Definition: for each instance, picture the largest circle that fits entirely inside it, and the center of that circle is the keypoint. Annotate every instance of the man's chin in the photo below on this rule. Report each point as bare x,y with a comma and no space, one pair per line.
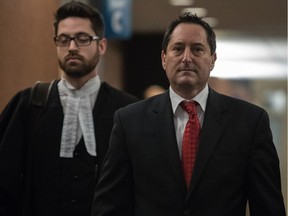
77,73
77,70
74,73
187,80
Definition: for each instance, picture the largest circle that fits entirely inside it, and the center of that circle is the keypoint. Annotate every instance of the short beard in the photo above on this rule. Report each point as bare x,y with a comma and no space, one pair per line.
78,71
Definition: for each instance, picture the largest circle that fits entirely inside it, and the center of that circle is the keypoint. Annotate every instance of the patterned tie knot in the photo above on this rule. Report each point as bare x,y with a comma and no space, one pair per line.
189,107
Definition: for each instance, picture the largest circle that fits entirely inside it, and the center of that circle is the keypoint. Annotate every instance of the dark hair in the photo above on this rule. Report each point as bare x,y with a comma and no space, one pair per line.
190,18
79,9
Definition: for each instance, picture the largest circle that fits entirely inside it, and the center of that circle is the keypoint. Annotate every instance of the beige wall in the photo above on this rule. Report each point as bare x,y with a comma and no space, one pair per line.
26,43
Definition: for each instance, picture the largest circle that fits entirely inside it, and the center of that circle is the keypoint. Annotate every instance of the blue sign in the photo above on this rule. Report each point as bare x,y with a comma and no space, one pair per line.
117,16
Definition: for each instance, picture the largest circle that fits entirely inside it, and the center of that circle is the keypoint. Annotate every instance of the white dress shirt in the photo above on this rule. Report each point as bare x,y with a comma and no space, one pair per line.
181,116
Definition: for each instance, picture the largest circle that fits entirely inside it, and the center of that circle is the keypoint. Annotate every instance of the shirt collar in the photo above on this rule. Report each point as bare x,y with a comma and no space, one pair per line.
201,98
91,86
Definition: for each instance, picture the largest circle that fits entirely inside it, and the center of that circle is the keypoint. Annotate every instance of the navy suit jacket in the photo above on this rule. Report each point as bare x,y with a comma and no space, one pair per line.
236,162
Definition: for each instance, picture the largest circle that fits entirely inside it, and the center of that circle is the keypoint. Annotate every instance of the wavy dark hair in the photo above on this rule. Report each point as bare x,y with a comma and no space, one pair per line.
190,18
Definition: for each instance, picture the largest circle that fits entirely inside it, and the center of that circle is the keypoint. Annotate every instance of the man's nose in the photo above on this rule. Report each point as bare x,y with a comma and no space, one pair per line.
187,55
73,45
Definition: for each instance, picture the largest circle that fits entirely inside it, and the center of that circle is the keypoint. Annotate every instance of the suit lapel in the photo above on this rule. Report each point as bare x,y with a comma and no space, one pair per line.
163,124
213,126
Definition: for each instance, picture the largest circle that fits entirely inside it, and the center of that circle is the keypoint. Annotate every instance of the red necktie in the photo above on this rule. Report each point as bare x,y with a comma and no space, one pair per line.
190,140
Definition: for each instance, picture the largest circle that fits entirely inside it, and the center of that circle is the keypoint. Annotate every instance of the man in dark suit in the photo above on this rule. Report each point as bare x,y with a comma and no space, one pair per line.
236,160
50,155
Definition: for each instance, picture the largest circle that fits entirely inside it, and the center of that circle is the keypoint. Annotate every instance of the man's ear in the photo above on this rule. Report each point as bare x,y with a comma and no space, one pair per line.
163,58
102,46
214,58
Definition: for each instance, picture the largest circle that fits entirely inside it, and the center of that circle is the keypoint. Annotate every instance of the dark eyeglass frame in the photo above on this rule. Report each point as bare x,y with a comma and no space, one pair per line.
75,39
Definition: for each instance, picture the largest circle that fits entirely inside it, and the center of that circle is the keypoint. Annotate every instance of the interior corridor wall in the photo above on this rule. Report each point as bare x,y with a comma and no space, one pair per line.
27,49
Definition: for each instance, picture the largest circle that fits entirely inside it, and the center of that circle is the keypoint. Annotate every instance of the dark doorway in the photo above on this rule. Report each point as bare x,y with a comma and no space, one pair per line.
142,64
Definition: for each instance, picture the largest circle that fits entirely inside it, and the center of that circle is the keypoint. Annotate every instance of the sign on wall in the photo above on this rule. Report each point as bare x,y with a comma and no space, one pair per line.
117,16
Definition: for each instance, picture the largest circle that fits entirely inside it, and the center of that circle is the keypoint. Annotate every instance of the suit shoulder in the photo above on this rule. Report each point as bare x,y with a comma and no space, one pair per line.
242,102
145,105
115,96
234,103
17,105
20,97
112,90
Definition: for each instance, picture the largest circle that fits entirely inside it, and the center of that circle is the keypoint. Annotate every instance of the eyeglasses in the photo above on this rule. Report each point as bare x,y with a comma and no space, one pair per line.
79,39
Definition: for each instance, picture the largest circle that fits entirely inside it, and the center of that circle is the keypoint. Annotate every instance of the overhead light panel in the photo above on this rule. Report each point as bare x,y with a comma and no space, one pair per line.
251,58
201,12
181,2
213,22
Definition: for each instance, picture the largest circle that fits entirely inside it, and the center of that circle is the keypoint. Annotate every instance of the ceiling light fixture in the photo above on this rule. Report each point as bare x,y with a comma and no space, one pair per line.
250,58
213,22
181,2
201,12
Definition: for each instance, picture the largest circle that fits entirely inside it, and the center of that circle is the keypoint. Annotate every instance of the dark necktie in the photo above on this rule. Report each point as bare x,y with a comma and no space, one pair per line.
190,140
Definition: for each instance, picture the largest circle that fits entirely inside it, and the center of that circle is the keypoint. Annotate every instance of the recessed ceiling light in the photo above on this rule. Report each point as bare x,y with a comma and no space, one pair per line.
213,22
201,12
181,2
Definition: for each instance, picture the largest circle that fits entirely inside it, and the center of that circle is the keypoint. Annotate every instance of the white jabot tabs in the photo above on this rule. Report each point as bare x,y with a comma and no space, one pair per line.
78,118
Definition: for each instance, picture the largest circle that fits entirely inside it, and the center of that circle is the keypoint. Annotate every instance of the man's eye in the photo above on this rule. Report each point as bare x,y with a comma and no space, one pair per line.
177,48
83,38
197,50
64,39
